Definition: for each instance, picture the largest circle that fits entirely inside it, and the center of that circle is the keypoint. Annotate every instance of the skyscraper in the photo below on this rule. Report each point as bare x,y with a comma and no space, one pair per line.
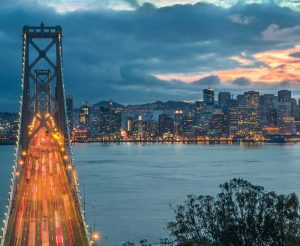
251,99
284,108
178,122
70,110
249,114
166,124
232,116
110,119
84,116
267,109
223,98
284,96
294,109
208,97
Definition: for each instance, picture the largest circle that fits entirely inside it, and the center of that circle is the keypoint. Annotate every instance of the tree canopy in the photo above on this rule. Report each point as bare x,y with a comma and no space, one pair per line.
241,214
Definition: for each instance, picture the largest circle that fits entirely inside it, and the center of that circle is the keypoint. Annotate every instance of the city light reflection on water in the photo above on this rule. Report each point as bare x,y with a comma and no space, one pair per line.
132,185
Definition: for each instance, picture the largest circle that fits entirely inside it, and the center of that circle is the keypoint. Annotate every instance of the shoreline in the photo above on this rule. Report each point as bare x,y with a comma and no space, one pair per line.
214,141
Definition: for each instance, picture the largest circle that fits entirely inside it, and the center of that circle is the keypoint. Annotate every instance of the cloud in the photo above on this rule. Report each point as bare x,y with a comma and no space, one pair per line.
239,19
275,33
133,3
295,54
209,81
241,81
243,61
150,52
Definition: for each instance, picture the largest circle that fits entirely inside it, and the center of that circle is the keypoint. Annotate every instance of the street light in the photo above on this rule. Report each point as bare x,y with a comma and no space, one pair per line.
95,235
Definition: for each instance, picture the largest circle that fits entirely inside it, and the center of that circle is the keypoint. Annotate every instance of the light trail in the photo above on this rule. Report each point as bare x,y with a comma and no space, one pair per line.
45,212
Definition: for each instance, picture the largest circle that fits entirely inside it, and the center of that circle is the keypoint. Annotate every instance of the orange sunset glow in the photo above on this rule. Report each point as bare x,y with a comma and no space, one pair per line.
269,67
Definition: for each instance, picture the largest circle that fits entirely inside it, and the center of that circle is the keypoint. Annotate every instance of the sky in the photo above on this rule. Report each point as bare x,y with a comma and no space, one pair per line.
136,51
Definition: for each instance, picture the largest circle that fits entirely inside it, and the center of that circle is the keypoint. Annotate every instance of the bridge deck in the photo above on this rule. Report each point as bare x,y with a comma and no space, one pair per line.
44,211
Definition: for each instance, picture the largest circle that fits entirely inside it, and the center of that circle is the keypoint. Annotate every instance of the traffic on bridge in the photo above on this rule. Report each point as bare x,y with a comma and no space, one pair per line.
45,212
44,206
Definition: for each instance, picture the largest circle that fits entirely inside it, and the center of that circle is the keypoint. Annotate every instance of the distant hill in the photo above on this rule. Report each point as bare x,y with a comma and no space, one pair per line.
106,103
159,105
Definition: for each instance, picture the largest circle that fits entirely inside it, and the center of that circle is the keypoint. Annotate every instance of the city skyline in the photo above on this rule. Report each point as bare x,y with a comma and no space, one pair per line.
130,51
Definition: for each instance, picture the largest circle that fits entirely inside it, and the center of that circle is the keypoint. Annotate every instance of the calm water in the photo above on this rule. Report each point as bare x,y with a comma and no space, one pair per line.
132,185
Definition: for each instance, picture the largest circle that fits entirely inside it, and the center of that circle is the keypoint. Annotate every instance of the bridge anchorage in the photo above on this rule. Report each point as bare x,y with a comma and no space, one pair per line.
44,206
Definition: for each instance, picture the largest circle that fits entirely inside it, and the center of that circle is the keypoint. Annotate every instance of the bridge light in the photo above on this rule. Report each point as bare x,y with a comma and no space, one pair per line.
96,236
69,167
21,162
24,153
65,157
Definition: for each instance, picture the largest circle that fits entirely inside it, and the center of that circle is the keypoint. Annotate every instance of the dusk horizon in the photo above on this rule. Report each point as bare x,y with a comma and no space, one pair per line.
150,122
136,51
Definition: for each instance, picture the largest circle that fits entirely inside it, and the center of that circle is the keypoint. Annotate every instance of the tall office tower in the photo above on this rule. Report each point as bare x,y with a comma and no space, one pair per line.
70,112
232,117
251,99
209,97
84,116
249,114
140,127
223,98
284,108
151,127
267,109
166,124
129,124
188,127
199,105
294,109
217,125
110,119
116,120
178,122
240,100
284,96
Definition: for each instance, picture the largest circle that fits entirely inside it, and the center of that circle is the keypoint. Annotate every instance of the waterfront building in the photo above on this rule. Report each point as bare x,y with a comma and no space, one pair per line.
188,126
248,115
294,109
110,119
232,117
178,122
166,124
218,125
84,117
129,124
267,110
151,127
288,126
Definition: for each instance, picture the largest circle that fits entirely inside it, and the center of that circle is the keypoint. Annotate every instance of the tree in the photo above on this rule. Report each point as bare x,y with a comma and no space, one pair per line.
241,214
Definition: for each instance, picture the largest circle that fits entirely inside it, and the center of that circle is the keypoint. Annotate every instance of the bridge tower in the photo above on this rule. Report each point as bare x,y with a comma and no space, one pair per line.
42,100
52,34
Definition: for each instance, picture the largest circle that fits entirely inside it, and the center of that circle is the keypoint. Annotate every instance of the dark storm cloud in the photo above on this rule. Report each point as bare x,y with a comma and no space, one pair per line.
241,82
296,54
115,54
209,81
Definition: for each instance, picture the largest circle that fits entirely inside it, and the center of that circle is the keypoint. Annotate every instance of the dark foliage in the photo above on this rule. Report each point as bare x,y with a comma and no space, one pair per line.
241,214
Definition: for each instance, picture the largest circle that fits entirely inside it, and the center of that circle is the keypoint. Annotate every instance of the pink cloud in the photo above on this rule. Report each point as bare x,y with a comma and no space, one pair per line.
275,66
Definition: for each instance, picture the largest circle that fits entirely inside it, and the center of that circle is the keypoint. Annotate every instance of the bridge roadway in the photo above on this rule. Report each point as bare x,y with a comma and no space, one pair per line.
44,211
